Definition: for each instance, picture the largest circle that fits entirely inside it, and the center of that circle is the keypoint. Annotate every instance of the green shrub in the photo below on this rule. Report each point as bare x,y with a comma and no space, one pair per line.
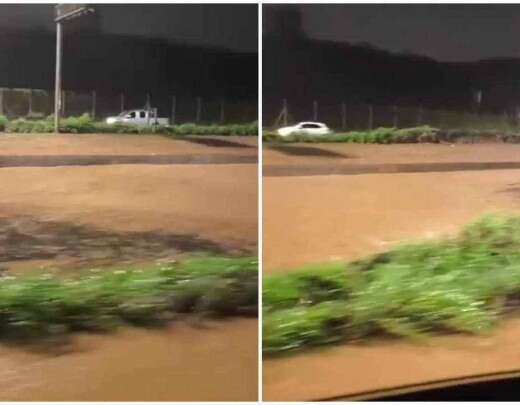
100,300
194,129
422,134
3,122
22,125
462,284
84,124
301,326
379,135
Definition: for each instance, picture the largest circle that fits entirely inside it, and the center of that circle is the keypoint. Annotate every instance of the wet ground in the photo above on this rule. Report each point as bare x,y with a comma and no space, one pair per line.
209,205
214,361
344,370
96,160
115,144
66,215
26,241
357,154
319,218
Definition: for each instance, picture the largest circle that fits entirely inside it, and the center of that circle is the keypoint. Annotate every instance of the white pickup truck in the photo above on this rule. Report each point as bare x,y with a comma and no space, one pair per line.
138,117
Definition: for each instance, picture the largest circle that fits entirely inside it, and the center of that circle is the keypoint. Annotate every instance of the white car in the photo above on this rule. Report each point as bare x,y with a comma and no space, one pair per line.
138,117
305,128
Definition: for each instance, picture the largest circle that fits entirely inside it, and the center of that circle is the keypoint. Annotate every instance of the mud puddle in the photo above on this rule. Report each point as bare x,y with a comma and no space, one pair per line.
27,239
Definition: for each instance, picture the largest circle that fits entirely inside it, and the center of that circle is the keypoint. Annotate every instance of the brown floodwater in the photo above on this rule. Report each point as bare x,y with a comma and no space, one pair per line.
327,218
354,369
195,361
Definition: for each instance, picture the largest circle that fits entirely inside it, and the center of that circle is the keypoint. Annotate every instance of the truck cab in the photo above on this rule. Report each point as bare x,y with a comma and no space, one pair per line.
138,117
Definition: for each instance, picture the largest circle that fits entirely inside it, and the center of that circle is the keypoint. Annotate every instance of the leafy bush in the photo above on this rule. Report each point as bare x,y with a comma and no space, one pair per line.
423,134
463,284
22,125
84,124
99,300
378,135
194,129
3,122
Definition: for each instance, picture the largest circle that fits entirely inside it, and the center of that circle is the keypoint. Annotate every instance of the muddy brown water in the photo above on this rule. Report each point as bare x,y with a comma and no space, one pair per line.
355,369
325,218
320,218
120,214
216,361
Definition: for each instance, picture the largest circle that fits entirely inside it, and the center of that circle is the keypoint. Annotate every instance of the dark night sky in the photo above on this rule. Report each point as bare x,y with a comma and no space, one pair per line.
447,32
232,26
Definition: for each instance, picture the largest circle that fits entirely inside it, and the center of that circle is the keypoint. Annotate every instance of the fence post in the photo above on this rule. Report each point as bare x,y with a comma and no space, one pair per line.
370,117
395,118
1,101
199,107
222,117
315,110
174,106
63,102
93,104
343,115
122,98
30,103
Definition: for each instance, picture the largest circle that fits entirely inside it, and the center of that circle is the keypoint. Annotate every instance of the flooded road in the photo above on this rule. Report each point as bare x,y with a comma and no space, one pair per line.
119,215
186,362
322,218
377,365
310,219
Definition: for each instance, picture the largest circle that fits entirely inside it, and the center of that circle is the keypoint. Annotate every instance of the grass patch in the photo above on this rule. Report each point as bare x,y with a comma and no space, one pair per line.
84,124
95,300
463,284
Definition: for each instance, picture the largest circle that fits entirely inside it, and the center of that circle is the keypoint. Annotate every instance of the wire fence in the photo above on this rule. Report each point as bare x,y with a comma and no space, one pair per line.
38,103
344,116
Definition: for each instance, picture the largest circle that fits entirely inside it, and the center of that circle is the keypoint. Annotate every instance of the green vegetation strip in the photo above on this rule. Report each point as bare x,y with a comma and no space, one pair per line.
460,285
422,134
85,125
97,300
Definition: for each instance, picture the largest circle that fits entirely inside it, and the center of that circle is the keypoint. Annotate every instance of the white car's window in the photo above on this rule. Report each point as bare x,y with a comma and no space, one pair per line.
131,115
142,114
311,126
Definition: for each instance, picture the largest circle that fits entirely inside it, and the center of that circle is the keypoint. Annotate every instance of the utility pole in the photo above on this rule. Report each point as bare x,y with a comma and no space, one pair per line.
57,82
63,12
